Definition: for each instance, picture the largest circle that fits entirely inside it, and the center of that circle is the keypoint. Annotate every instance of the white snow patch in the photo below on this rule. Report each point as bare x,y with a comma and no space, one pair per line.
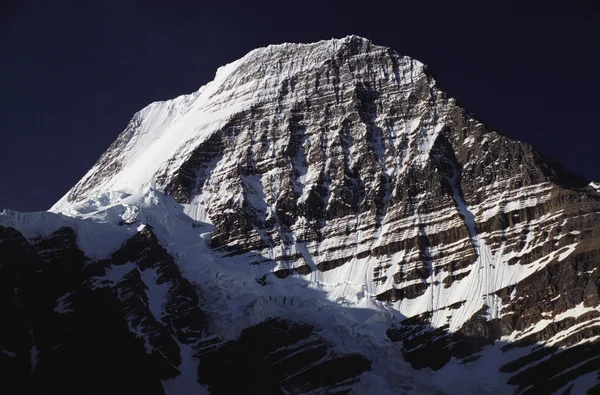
63,305
187,381
542,324
114,274
89,229
581,384
34,353
9,353
157,293
569,250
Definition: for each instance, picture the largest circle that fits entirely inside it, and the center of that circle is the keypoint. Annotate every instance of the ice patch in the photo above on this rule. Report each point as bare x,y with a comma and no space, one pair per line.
114,274
9,353
34,352
63,305
569,251
157,293
581,384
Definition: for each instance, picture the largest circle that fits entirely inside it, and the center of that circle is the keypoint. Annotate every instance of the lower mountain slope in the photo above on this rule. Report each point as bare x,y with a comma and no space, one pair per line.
132,324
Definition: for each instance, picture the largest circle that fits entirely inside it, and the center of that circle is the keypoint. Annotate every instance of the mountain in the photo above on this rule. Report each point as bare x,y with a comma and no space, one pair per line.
320,218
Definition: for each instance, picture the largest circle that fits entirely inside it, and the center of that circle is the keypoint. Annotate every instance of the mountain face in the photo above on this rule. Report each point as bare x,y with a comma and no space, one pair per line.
320,218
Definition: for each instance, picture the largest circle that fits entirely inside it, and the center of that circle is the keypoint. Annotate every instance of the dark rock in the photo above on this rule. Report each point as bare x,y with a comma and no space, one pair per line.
276,356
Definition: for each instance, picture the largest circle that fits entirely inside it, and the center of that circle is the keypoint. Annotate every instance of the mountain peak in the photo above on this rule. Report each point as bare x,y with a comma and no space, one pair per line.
165,133
331,45
334,186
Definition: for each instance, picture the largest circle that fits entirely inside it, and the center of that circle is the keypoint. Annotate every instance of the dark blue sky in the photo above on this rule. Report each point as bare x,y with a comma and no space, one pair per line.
72,73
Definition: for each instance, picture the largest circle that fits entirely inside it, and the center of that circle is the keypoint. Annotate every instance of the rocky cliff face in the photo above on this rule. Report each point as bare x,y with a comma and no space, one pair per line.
93,327
332,185
131,323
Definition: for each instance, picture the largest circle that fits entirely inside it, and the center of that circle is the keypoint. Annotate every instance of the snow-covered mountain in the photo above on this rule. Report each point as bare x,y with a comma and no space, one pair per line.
320,218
